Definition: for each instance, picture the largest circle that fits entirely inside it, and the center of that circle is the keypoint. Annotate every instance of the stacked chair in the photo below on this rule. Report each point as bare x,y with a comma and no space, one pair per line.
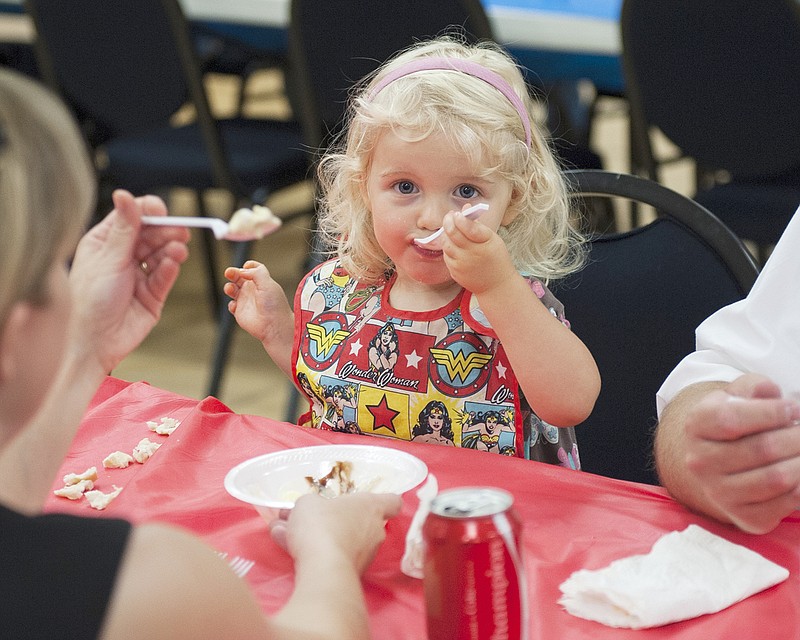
720,80
126,68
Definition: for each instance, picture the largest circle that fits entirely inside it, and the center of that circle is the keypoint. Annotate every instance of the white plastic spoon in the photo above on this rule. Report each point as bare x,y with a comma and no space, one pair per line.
245,224
474,211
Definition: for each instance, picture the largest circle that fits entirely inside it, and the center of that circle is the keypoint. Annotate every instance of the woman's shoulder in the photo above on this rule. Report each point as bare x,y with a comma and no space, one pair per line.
197,584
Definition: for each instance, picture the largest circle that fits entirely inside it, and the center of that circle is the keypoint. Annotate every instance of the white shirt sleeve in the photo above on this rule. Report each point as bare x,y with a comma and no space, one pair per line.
760,334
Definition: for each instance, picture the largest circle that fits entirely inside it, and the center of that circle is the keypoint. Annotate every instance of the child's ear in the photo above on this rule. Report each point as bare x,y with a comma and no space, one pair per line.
12,340
362,187
512,211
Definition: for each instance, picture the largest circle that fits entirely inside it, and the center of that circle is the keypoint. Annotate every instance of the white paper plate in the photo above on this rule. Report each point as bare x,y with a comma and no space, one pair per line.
276,480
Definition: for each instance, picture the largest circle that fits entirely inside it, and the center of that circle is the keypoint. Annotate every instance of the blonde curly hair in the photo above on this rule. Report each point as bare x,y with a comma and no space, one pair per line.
542,239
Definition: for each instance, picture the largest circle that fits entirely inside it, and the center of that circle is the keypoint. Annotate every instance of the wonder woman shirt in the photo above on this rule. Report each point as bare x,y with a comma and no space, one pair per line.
439,376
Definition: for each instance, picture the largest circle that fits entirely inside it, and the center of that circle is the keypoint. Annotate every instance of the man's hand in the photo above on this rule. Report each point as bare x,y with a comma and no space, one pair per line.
740,452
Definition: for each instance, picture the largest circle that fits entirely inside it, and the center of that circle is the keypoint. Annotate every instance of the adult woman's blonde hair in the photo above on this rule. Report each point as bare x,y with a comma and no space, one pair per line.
542,239
47,187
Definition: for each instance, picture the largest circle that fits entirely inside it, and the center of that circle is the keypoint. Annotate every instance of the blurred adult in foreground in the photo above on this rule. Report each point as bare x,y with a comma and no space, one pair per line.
67,317
728,439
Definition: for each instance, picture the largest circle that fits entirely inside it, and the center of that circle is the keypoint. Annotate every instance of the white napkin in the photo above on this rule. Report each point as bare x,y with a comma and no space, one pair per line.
686,574
414,554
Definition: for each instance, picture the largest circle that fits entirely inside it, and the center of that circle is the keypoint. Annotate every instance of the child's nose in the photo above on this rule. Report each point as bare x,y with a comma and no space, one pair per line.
431,215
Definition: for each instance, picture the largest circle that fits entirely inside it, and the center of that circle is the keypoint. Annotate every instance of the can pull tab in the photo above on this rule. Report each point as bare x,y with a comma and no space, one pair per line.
454,511
503,527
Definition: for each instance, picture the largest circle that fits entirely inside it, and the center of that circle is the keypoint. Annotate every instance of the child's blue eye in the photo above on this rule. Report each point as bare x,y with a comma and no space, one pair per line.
405,187
467,191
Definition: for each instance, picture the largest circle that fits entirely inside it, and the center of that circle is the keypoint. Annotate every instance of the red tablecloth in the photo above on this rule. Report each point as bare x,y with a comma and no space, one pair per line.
572,520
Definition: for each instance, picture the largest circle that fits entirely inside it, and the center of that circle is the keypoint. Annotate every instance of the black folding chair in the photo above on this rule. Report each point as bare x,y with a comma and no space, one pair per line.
720,80
126,68
221,50
636,305
333,44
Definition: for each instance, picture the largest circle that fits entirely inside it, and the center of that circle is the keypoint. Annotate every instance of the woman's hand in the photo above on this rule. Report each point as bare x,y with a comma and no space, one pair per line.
350,527
121,275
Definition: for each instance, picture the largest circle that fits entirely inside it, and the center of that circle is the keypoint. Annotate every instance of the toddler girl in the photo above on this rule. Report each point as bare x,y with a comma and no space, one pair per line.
465,325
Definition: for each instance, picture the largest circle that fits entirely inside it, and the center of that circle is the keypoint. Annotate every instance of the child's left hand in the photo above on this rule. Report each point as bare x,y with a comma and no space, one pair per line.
475,255
261,308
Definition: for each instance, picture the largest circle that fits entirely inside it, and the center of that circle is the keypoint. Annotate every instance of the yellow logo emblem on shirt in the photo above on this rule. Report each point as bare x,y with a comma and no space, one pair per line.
458,365
325,340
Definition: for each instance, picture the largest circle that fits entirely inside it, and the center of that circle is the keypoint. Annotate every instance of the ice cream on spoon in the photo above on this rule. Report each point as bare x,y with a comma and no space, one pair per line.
245,224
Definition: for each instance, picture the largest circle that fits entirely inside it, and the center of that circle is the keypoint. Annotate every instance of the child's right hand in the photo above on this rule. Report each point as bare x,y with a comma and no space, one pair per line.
475,255
258,302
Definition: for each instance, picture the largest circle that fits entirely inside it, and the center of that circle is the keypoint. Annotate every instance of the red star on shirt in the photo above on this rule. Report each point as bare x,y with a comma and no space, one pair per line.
383,415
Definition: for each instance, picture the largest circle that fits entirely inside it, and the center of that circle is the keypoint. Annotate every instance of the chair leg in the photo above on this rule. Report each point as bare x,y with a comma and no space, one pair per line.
210,250
292,405
763,252
225,327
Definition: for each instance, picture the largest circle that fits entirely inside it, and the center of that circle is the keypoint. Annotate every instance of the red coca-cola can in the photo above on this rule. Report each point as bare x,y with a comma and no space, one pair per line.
474,578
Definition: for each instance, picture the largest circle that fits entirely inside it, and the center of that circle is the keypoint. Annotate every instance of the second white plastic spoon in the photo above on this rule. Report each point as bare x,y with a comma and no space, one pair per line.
474,211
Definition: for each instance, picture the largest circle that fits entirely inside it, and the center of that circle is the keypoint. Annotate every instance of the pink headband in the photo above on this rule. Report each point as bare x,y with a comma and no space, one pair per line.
464,66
